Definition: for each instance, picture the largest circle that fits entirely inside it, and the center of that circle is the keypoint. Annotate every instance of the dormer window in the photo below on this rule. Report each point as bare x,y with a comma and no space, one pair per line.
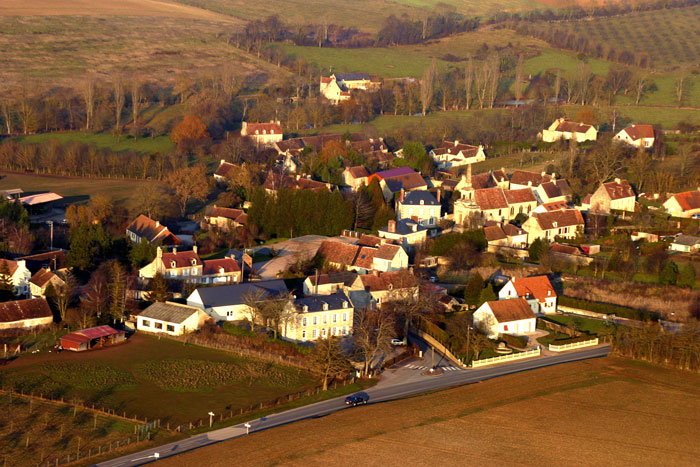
172,264
422,202
325,306
221,271
194,262
306,308
345,304
391,286
257,132
554,224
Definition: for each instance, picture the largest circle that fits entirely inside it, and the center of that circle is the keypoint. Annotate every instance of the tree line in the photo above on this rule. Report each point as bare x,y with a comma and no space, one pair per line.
654,344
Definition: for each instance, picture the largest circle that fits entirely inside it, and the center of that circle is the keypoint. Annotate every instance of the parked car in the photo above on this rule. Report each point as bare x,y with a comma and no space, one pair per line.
397,342
357,399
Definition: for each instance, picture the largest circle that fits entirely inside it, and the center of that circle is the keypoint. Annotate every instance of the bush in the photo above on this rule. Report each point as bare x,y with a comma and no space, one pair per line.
608,309
514,341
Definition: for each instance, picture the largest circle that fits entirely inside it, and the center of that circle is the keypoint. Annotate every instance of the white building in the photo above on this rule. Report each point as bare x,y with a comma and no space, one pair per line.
263,134
563,128
170,318
319,317
228,302
686,204
455,154
420,206
505,317
536,290
407,233
19,275
639,136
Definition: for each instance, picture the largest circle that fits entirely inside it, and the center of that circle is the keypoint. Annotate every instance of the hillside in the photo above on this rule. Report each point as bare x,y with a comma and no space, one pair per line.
597,412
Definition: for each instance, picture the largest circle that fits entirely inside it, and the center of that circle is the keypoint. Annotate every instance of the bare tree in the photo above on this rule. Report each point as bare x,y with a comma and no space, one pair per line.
6,109
468,82
277,311
26,110
557,87
253,300
189,183
329,360
136,98
373,331
494,75
519,78
65,293
641,85
427,86
681,83
119,99
584,76
89,96
605,161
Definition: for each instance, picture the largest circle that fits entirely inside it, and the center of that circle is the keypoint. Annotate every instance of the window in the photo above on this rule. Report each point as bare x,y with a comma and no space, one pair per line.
303,322
158,325
345,330
335,317
512,210
325,319
303,335
505,327
146,323
229,313
324,332
315,321
314,333
345,316
170,328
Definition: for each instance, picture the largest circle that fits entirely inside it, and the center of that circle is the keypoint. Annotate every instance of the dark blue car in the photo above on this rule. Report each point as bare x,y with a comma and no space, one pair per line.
357,399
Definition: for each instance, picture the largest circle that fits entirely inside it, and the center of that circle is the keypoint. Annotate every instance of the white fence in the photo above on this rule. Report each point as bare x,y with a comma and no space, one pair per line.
575,345
506,358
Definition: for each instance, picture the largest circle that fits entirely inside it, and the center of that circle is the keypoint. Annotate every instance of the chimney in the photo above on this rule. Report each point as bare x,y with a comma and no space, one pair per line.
392,226
415,227
157,223
529,183
375,272
403,194
194,248
438,195
456,142
554,175
222,161
617,180
159,252
174,250
543,173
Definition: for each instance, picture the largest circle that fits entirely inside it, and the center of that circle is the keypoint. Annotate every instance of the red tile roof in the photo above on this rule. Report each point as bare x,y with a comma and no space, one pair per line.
494,233
394,280
42,277
538,287
11,265
565,249
490,198
556,205
387,252
226,213
182,259
619,190
223,169
51,259
338,252
85,335
358,172
688,200
276,181
269,128
213,266
513,231
370,240
454,147
636,132
523,195
572,127
566,218
152,231
19,310
511,310
522,177
556,188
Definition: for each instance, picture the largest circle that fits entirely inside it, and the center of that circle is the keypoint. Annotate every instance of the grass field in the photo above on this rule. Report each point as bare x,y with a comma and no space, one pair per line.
118,190
157,379
146,145
599,412
33,432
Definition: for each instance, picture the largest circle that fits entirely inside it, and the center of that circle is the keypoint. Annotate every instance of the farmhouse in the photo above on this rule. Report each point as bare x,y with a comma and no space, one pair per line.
276,181
225,219
91,338
41,280
354,177
383,287
548,225
455,154
686,204
187,266
19,275
319,317
228,302
536,290
553,191
393,180
639,136
526,179
616,195
221,174
145,228
364,259
170,318
25,313
563,128
337,87
406,232
420,206
263,134
327,284
512,316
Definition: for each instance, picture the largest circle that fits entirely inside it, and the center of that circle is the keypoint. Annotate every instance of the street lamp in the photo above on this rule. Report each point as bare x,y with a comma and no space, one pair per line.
247,428
211,419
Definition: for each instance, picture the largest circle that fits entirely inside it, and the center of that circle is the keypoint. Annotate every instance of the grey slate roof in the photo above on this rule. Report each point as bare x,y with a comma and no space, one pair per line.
351,76
414,198
228,295
316,302
688,240
405,227
169,312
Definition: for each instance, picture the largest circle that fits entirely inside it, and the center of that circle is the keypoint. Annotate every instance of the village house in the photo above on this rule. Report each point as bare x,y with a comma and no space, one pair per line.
228,302
379,288
554,191
319,317
686,204
548,225
508,235
685,243
616,195
40,281
366,147
276,181
187,266
263,134
520,201
495,235
25,314
512,316
363,259
393,180
19,275
527,179
536,290
563,128
420,206
221,174
145,228
287,163
54,260
554,206
455,154
639,136
326,284
337,87
170,318
224,219
354,177
406,232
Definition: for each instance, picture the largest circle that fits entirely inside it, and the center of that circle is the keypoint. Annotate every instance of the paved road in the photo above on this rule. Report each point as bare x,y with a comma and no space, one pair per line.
393,389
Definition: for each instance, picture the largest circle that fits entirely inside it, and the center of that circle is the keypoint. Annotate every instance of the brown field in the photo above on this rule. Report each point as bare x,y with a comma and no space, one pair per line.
107,8
601,412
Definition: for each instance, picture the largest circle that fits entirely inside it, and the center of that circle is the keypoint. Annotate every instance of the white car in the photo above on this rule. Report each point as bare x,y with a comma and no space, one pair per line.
397,342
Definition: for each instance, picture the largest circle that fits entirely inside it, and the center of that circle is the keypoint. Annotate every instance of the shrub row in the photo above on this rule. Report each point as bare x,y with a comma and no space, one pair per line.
608,309
514,341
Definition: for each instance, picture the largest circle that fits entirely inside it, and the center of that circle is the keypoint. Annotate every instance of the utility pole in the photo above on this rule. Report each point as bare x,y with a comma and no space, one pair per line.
51,230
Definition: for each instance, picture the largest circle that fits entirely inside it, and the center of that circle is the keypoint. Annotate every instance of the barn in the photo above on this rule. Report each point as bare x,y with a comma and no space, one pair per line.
87,339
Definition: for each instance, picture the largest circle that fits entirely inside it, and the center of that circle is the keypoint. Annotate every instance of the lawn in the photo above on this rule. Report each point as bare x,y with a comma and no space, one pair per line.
75,188
33,432
587,325
157,378
160,144
595,412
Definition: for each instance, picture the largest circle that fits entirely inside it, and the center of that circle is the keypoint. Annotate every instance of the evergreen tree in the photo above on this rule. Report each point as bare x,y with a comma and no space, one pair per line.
538,249
687,276
669,274
142,253
6,287
89,243
117,291
473,289
159,289
487,295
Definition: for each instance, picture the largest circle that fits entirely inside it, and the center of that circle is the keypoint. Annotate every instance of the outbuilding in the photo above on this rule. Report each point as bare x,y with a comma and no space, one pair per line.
87,339
170,318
